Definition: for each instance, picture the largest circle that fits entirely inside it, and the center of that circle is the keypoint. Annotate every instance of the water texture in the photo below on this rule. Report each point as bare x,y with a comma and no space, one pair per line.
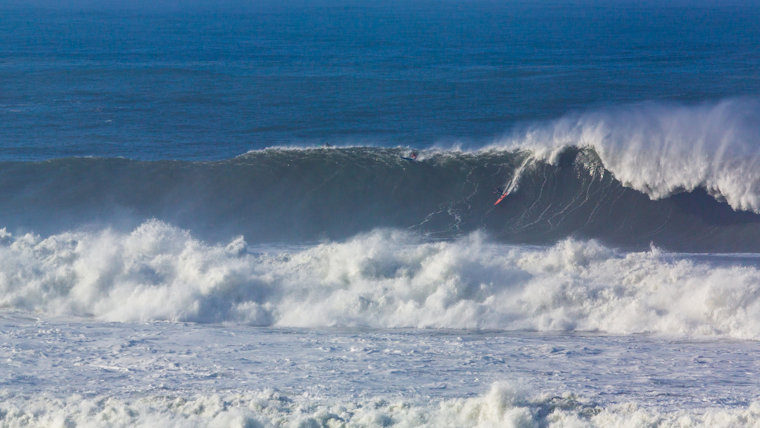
211,214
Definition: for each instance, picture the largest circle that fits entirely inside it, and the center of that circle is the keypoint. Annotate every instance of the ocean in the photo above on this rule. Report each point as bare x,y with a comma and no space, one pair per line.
282,214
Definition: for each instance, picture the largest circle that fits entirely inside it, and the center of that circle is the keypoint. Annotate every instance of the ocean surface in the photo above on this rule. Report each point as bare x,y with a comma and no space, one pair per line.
210,215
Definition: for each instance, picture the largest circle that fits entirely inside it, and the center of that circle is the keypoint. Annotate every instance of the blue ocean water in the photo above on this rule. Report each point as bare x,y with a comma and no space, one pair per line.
284,214
207,80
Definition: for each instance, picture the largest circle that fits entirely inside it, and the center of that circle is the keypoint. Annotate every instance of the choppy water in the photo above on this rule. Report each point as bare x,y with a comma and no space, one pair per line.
70,373
209,219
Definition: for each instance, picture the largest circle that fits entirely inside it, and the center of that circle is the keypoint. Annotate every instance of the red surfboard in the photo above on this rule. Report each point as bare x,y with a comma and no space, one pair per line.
503,195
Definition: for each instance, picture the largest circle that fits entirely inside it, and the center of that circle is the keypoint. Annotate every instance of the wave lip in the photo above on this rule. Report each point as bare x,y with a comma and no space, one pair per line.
663,149
384,279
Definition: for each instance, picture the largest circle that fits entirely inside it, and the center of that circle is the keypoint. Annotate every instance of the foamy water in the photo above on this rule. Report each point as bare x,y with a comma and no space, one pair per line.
157,328
384,279
72,372
209,217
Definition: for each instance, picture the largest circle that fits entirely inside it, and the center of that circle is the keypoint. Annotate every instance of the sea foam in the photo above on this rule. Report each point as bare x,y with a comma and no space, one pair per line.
385,279
502,406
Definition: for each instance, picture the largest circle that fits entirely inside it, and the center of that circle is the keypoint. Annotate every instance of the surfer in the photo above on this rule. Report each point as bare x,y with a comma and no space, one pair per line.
412,158
502,194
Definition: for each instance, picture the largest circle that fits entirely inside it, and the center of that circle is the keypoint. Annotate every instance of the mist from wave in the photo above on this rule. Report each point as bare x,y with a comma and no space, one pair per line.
662,149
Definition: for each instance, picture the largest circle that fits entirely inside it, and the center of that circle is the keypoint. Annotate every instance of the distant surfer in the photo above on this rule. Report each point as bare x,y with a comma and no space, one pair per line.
326,145
411,158
499,191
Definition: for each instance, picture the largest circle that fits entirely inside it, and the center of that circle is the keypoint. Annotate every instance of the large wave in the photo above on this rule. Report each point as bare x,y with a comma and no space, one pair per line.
683,178
664,149
385,279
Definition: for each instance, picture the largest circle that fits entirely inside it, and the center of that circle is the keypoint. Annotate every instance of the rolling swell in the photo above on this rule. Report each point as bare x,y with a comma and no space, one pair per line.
298,195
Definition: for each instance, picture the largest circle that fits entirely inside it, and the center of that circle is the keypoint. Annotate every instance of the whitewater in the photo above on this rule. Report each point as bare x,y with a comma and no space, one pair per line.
384,279
209,215
662,149
187,375
617,284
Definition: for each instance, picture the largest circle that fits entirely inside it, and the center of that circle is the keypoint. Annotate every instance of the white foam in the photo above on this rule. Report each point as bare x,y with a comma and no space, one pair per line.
502,406
662,149
381,279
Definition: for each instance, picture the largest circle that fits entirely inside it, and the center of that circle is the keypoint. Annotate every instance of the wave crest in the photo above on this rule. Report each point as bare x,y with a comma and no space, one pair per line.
663,149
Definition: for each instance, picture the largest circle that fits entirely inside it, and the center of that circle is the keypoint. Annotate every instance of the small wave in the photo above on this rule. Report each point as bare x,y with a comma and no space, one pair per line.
501,406
384,279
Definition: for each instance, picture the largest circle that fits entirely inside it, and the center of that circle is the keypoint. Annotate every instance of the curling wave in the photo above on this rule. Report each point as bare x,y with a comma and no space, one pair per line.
383,279
664,149
681,178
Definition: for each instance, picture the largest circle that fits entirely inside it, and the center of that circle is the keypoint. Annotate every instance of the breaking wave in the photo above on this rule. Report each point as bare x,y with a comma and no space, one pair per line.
683,178
502,406
384,279
664,149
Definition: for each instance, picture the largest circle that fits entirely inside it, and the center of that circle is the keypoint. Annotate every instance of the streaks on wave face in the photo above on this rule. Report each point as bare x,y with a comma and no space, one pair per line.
300,195
577,196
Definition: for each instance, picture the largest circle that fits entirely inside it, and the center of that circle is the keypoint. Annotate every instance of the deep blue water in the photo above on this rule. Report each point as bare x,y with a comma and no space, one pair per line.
204,80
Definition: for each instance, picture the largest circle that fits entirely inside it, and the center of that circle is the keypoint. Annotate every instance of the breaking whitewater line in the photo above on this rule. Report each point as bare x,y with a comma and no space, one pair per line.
383,279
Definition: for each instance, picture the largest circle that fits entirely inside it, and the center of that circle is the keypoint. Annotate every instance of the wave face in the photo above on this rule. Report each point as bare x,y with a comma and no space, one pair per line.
681,178
385,279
